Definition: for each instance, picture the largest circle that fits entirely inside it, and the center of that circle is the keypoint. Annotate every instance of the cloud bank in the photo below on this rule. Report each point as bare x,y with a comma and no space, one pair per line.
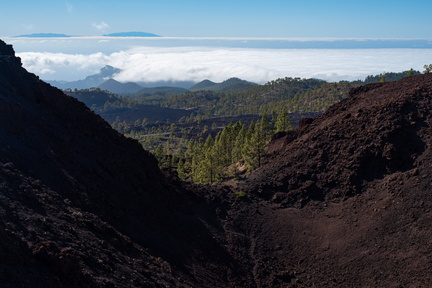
151,64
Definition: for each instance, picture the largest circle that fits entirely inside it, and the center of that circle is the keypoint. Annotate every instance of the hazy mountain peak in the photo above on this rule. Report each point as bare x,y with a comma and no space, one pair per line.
44,35
132,34
94,80
108,71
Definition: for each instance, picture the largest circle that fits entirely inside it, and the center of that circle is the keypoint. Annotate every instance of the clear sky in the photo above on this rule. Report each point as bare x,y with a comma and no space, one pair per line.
222,18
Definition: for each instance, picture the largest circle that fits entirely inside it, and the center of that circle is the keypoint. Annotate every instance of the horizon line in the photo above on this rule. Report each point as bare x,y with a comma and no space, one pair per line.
299,39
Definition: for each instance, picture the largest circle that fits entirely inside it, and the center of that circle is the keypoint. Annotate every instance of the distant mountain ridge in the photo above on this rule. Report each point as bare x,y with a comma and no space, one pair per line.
44,35
95,80
115,86
203,85
60,35
132,34
105,81
230,85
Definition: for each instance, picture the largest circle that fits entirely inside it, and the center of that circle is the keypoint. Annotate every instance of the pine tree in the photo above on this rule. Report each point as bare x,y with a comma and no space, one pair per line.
237,154
411,72
283,123
193,156
160,155
238,145
207,168
266,125
181,169
253,151
224,145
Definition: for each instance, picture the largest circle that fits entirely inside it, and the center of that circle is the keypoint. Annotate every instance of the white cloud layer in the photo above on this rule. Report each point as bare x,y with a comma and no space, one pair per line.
151,64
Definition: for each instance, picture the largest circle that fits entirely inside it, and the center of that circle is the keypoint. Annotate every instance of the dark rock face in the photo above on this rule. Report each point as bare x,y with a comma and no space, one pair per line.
343,201
379,130
6,50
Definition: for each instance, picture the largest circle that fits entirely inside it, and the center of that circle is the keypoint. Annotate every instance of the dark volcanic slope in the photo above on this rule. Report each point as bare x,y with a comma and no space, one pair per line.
362,173
82,206
379,130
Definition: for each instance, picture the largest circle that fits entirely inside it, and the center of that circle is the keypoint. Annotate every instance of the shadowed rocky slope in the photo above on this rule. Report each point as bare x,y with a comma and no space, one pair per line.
81,205
344,201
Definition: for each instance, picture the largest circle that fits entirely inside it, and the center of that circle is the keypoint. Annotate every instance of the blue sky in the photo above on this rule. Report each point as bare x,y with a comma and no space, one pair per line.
223,18
217,59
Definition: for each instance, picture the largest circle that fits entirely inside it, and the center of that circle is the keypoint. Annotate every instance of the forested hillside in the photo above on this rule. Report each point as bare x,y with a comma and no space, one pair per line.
390,76
188,130
298,95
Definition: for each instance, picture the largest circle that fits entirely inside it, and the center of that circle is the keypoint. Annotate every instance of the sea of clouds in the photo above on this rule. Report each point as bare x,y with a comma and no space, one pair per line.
218,63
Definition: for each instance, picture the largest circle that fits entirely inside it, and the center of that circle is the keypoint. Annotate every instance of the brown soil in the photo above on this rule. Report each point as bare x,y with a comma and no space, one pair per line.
349,194
343,201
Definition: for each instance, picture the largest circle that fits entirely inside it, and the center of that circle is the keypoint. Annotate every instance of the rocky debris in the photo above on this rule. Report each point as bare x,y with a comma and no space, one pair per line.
379,130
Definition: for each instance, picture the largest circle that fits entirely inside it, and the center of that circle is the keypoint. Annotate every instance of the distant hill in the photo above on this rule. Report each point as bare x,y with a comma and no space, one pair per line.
95,80
44,35
300,95
235,85
117,87
203,85
132,34
227,86
107,73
